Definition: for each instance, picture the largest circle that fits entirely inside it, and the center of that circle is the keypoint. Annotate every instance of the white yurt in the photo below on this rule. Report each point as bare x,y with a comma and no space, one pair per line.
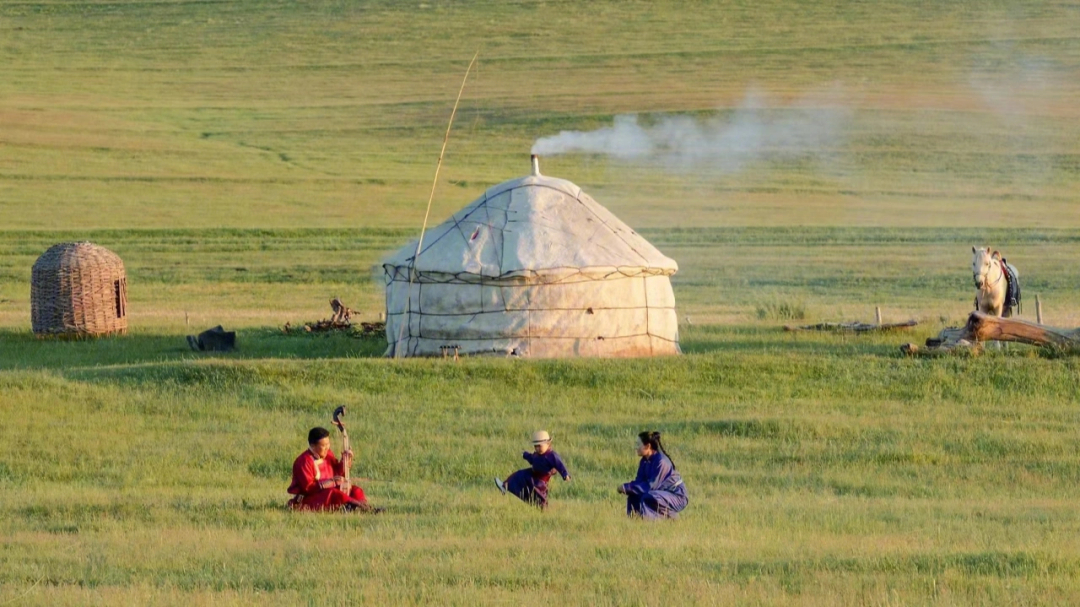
533,268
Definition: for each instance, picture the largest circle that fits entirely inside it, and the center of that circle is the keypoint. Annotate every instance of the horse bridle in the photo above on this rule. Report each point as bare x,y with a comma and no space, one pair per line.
1001,274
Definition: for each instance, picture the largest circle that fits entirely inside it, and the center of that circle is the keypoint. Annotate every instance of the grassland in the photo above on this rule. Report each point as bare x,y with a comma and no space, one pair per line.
329,114
250,160
822,471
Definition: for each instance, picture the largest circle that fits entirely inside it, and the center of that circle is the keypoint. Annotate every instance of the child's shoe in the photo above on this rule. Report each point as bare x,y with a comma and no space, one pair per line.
500,485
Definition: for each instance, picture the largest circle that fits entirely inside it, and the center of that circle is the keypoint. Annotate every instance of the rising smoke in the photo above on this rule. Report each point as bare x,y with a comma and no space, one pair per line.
727,142
1021,89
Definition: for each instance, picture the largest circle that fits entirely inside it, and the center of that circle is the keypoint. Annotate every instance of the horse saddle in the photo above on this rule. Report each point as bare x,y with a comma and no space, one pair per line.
1012,290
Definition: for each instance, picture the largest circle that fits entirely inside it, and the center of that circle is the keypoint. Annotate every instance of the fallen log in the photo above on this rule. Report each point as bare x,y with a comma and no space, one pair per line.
985,328
981,328
857,327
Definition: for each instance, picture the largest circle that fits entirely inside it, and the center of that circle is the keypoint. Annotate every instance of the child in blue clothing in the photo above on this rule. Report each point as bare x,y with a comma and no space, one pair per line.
531,484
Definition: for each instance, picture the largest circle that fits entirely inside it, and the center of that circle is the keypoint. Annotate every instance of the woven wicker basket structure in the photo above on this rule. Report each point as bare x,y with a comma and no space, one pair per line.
78,289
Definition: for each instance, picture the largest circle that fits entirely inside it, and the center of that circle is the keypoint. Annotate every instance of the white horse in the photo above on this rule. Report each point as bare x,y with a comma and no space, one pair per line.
991,282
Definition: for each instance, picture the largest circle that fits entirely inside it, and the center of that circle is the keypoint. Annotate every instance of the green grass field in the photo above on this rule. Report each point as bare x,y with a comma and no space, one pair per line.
251,160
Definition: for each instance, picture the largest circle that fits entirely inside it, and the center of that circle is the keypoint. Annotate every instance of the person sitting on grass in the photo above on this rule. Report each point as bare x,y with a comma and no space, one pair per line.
318,479
658,491
531,484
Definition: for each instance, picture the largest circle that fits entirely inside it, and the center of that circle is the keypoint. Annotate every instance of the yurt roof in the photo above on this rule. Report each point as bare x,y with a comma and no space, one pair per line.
533,225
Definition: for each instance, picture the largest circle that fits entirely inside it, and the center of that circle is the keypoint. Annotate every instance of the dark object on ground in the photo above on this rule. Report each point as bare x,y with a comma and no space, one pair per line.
983,327
213,340
364,508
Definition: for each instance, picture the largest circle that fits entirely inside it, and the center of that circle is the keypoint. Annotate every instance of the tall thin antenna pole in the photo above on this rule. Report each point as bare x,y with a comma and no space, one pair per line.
407,316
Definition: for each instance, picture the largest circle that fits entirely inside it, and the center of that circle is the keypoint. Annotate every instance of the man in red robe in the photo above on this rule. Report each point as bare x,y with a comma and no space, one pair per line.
318,478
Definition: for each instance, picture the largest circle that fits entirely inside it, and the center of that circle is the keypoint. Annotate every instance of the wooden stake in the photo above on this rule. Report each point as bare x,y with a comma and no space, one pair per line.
1038,309
877,314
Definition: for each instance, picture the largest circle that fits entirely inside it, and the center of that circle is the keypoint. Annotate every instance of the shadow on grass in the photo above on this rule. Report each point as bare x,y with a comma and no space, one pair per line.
22,350
774,339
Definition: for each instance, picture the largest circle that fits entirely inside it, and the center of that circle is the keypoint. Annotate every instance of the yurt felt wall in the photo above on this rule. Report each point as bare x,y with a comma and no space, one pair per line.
78,289
533,268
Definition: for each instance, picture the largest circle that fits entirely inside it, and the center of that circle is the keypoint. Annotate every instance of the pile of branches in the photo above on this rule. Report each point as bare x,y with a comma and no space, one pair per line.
371,329
341,320
319,326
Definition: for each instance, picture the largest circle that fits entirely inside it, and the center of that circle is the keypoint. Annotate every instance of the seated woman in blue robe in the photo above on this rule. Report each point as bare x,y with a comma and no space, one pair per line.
658,491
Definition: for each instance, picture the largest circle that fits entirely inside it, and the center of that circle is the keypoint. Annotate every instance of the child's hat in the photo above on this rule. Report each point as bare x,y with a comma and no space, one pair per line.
541,436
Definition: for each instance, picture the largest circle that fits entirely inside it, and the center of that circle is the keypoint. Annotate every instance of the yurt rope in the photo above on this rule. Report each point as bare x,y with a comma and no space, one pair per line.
431,197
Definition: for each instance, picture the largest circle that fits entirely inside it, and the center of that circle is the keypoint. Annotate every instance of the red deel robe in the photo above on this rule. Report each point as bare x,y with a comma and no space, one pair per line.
306,474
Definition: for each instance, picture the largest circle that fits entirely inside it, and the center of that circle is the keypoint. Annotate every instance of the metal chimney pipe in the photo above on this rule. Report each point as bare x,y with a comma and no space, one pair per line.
535,165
